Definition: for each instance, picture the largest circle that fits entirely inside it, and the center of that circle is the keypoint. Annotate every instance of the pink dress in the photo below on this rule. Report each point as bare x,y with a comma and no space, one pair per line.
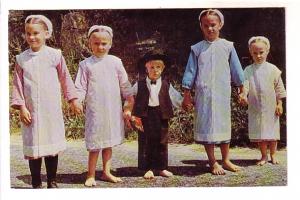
100,83
38,79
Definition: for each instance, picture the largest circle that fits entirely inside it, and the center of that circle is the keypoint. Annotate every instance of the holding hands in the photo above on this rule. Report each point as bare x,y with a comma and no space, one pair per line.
187,103
76,107
25,115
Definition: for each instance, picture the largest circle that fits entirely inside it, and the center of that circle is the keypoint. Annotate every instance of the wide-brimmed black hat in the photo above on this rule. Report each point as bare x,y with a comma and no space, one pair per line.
152,55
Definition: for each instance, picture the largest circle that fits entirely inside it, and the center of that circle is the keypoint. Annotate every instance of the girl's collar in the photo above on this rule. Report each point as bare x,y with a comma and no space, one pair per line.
211,42
98,58
34,53
258,65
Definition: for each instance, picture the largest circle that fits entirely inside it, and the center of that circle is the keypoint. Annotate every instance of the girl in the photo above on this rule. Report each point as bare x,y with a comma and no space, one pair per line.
100,81
36,69
265,90
211,65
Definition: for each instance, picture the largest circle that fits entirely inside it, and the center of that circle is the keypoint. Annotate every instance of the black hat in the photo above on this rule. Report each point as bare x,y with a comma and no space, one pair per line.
152,55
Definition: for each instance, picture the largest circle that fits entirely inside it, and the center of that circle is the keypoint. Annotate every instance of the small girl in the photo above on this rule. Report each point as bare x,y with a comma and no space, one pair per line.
212,64
100,81
40,73
265,90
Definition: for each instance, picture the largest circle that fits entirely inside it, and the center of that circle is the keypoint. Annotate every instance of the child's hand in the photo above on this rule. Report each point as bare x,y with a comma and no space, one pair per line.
137,123
25,115
242,99
278,110
127,118
76,107
187,103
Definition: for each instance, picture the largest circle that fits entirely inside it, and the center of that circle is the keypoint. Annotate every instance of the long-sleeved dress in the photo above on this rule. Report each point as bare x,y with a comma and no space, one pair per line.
38,79
100,83
264,87
211,67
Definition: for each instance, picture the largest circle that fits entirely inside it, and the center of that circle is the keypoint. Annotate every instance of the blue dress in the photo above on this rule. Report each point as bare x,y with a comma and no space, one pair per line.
211,67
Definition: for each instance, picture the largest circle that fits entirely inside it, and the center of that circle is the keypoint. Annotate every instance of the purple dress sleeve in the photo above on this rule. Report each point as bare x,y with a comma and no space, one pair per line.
66,82
17,88
125,86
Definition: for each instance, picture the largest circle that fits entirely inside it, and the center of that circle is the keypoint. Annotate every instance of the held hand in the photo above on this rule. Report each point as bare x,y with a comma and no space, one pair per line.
242,100
187,103
76,107
25,115
137,123
127,118
279,110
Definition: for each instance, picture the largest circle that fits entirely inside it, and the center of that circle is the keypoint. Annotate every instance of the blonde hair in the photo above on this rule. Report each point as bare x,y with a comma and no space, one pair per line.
214,12
262,39
42,20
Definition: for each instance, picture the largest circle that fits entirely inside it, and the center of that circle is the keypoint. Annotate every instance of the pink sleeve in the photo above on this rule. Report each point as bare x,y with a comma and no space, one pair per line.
17,88
66,82
81,82
125,85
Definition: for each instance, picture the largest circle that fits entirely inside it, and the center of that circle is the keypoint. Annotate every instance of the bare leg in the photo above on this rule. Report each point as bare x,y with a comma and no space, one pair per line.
273,149
216,169
227,164
149,174
106,175
263,149
90,180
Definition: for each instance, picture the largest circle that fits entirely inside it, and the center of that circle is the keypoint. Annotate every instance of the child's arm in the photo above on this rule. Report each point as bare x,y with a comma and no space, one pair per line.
18,100
280,93
66,82
175,97
243,93
187,103
188,81
236,70
279,109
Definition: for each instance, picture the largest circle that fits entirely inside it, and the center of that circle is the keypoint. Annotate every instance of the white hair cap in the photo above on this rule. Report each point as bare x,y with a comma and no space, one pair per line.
259,38
221,16
44,19
101,28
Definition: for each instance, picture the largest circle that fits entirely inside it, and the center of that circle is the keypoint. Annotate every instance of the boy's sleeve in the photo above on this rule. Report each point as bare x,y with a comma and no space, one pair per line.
175,97
135,89
65,79
81,82
236,70
17,98
190,73
125,85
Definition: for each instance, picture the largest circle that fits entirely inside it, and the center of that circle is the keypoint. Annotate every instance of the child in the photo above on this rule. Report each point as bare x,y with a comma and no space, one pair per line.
41,115
265,90
100,81
153,104
212,64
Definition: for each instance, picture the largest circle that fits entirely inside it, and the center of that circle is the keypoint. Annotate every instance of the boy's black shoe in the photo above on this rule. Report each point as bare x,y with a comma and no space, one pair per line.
39,186
52,184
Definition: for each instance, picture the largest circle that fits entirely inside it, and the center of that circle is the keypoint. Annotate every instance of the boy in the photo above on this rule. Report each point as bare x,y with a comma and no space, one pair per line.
153,104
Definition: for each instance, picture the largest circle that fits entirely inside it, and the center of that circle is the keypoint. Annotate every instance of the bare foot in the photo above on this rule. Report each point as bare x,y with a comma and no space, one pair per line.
274,160
90,182
149,175
165,173
217,169
228,165
110,178
262,161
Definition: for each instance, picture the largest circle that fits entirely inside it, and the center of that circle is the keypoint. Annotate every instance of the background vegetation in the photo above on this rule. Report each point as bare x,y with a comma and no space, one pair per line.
136,31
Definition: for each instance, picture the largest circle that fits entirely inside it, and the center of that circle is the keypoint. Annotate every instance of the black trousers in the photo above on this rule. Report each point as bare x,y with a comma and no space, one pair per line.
35,165
153,142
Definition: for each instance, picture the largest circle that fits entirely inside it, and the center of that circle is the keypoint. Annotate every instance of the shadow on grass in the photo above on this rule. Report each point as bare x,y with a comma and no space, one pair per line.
191,168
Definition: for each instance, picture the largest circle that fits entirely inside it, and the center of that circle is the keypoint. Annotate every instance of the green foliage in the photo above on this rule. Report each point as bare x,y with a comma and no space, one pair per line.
172,34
